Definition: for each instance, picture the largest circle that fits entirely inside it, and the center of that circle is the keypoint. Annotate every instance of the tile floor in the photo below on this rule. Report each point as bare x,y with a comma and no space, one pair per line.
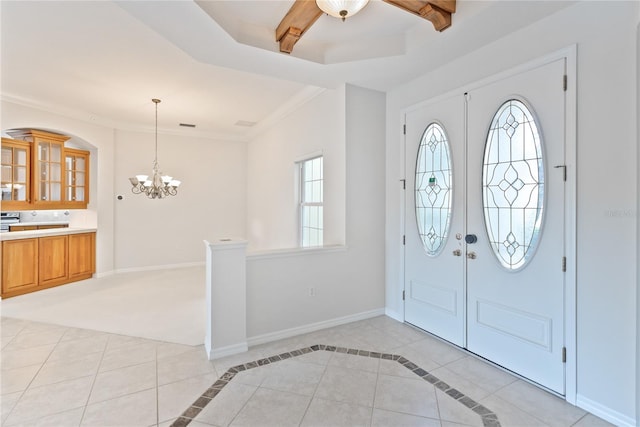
61,376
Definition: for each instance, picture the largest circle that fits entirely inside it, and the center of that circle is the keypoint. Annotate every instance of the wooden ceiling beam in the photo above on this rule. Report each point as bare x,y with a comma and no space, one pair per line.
437,11
440,18
302,15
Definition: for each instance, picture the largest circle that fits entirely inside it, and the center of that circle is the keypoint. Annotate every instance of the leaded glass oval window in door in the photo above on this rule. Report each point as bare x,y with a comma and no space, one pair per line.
433,187
513,184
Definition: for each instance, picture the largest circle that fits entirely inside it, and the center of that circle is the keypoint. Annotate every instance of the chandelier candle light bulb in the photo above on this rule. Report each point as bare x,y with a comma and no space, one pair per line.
157,186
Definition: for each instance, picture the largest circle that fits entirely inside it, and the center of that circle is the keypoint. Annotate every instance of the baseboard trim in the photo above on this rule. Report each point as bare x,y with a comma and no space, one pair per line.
394,315
229,350
160,267
312,327
604,412
104,274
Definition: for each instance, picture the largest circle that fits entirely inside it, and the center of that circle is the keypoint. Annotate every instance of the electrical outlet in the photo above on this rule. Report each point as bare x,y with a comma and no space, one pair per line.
312,292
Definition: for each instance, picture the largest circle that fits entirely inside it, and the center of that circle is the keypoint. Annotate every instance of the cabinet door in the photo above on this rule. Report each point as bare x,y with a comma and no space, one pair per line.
76,166
53,256
48,176
19,266
16,179
82,255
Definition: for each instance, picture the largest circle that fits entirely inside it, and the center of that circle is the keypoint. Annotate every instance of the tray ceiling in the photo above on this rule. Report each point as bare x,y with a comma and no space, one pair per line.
216,63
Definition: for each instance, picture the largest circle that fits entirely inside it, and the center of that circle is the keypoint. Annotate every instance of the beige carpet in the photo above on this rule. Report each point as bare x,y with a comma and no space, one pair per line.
166,305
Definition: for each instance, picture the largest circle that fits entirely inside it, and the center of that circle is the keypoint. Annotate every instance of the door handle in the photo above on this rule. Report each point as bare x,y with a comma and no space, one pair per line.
471,255
457,252
470,238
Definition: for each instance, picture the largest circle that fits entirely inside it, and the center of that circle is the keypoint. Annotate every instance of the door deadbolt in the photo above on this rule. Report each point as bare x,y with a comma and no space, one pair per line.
470,238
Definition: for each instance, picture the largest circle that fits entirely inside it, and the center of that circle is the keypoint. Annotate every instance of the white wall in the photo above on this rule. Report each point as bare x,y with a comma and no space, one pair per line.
605,33
137,233
318,126
100,210
638,220
211,201
347,281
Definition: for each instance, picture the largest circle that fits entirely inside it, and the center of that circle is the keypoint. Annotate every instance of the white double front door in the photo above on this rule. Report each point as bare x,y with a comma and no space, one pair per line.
484,221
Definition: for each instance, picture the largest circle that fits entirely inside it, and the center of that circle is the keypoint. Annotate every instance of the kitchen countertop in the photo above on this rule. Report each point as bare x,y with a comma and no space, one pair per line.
30,234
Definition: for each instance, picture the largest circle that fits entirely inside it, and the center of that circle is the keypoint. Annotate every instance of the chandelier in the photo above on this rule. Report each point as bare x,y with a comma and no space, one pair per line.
341,8
157,186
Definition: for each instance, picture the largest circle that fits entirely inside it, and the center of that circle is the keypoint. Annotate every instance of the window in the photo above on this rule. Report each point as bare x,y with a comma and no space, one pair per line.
311,197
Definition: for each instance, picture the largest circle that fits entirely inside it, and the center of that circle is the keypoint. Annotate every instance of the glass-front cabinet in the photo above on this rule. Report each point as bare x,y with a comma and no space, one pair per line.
16,170
76,166
47,175
49,171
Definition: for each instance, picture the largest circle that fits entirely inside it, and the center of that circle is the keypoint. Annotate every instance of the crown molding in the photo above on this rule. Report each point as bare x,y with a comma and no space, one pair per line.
58,110
295,102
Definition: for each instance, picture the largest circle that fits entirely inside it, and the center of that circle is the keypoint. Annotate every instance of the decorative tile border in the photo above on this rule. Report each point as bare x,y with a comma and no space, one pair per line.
489,418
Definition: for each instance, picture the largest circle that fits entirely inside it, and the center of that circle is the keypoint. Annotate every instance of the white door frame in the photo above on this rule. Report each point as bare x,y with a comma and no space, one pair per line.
570,237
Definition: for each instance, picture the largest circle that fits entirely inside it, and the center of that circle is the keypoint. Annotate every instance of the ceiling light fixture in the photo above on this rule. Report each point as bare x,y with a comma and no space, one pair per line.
341,8
158,186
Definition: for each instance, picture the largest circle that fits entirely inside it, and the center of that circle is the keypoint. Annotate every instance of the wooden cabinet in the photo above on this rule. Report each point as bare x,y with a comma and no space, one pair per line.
35,227
19,266
76,188
48,172
82,256
48,166
22,227
29,265
16,174
53,260
57,177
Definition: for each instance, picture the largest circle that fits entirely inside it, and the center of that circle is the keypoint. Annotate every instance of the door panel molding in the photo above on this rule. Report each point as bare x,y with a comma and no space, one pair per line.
527,327
436,296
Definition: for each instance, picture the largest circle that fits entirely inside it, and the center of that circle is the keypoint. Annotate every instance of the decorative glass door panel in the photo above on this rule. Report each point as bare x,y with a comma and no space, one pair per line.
433,187
513,184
